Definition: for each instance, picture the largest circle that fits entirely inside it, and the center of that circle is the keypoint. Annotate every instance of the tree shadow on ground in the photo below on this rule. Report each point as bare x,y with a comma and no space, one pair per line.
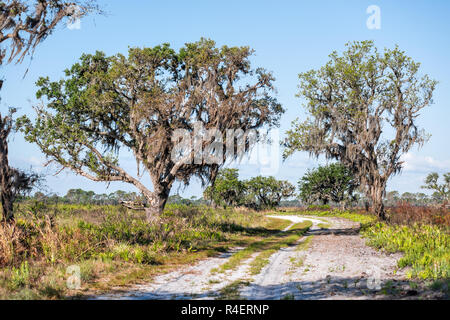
334,231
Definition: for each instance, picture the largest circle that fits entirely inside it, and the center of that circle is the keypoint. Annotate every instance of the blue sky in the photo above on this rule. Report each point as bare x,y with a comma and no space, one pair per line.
289,37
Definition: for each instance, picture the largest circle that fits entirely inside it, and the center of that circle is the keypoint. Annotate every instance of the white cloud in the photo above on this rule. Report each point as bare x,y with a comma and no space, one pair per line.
424,164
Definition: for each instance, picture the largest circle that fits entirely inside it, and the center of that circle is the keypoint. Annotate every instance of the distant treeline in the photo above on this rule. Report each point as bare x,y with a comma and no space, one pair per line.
80,196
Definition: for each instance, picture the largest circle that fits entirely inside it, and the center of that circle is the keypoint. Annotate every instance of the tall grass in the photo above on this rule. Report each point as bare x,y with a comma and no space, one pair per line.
44,240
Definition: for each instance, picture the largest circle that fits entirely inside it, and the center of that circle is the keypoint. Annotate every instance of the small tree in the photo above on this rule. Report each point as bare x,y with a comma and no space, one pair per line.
266,192
392,197
363,107
409,197
441,191
422,198
332,183
139,103
227,190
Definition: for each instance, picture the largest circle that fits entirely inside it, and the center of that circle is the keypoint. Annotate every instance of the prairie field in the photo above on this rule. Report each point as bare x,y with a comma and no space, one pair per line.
116,248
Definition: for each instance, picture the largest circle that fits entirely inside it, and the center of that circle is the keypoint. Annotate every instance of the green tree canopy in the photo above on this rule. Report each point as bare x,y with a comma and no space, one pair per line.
227,190
441,190
332,183
266,192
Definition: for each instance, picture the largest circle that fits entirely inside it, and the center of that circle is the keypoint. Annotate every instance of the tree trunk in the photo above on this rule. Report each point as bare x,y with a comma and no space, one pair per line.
6,196
153,214
7,206
377,200
378,208
156,202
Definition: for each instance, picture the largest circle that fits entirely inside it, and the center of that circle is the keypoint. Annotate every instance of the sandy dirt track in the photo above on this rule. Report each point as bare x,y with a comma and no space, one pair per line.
336,264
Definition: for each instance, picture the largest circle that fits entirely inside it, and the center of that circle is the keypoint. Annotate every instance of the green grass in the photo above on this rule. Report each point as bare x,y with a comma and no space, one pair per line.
289,296
116,247
231,291
263,258
301,227
304,244
261,261
277,224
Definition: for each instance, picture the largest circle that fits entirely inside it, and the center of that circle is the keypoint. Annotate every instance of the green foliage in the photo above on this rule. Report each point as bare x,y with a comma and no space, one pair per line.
316,207
266,192
332,183
364,219
426,248
19,276
257,193
107,240
442,191
227,189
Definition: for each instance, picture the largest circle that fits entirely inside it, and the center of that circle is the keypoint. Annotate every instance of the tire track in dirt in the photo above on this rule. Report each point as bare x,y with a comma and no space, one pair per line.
270,283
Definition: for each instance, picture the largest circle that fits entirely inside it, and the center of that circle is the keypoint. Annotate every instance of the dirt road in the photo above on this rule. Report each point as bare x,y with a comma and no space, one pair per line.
331,263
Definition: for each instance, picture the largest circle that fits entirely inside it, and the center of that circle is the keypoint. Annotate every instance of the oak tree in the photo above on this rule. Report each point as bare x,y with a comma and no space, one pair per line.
442,190
363,107
141,102
227,189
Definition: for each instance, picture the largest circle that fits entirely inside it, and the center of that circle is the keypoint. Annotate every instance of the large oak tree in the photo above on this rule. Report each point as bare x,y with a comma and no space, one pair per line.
363,107
140,101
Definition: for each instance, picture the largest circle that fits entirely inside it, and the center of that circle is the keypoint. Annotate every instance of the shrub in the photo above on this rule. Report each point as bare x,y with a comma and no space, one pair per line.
19,276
